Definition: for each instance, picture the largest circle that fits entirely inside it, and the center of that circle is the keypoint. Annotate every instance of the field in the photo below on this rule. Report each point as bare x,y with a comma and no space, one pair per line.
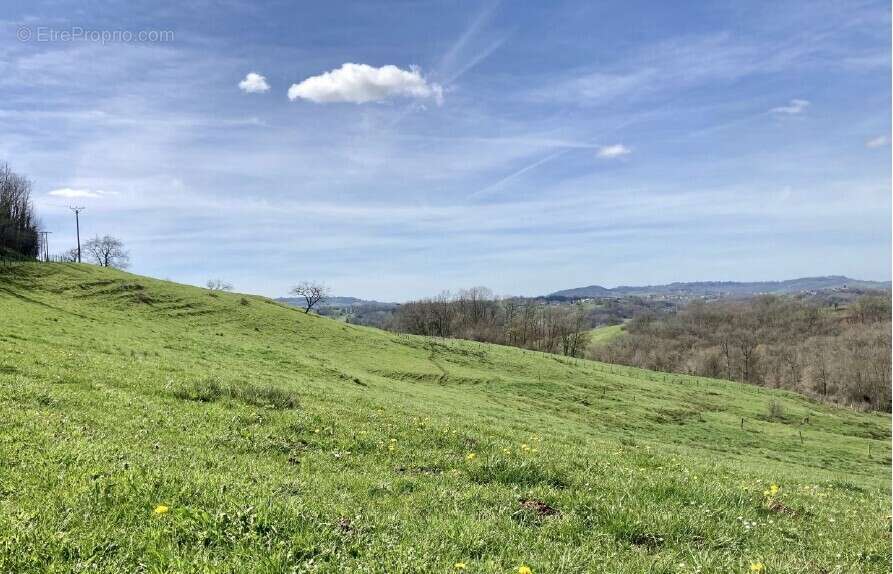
605,334
147,426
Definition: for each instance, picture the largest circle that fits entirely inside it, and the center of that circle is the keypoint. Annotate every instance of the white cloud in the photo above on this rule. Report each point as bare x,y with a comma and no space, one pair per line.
361,83
795,106
879,141
70,193
612,151
254,84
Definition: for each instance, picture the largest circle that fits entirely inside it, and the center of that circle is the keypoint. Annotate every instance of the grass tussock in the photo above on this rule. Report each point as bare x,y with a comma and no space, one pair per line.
209,390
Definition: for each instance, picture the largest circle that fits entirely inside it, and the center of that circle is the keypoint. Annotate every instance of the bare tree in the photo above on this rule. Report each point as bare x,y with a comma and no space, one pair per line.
19,228
312,292
218,285
70,256
107,251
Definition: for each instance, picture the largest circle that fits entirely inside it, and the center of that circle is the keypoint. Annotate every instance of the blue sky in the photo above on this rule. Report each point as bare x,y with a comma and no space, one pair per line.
527,147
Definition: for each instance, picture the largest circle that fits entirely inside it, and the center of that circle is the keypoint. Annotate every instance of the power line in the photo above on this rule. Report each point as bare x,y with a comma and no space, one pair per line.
46,245
77,223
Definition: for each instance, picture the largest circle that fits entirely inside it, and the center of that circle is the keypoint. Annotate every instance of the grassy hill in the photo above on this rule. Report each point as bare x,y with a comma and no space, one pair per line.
605,334
147,426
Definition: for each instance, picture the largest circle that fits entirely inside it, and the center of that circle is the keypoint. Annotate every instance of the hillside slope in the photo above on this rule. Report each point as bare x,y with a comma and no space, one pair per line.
150,426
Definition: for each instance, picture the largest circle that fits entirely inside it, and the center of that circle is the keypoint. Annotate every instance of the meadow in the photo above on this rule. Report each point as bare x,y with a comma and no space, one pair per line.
605,334
147,426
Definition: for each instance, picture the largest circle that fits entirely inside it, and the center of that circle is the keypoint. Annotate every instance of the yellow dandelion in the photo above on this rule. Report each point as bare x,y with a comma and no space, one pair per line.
161,509
522,569
459,565
470,456
772,491
757,567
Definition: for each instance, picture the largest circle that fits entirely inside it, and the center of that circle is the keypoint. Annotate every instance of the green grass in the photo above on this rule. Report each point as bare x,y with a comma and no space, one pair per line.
285,442
605,334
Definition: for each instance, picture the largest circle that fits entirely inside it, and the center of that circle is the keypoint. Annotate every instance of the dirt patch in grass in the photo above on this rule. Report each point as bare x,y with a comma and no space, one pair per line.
538,507
346,526
779,507
532,512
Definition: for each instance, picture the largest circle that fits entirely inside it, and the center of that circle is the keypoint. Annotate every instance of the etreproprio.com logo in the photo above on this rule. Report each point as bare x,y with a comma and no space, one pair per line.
79,34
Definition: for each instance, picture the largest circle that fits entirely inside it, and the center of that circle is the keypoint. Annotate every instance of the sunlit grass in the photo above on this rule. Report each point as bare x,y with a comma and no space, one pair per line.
149,426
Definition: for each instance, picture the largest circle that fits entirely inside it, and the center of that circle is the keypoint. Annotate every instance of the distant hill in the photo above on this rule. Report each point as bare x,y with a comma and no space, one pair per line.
337,302
726,288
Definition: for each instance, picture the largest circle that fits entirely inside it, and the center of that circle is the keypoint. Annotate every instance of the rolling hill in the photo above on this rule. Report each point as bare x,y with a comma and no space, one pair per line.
726,288
147,426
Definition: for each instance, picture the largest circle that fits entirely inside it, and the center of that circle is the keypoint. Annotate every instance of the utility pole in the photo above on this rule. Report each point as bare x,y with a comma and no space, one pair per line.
77,223
46,245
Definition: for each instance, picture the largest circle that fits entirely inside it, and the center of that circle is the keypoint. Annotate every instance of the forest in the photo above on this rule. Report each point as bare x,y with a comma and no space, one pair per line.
834,346
833,352
477,315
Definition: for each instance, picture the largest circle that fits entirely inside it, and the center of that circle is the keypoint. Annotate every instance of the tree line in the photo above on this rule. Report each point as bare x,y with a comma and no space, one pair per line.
838,354
477,315
19,226
20,233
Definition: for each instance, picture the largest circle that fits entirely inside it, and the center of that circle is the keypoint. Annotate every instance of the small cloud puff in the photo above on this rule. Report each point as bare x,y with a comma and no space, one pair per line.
794,107
254,84
361,83
70,193
612,151
879,141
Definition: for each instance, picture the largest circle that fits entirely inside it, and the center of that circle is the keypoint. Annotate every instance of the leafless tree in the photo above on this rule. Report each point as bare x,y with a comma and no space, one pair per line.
70,256
218,285
107,251
312,292
19,228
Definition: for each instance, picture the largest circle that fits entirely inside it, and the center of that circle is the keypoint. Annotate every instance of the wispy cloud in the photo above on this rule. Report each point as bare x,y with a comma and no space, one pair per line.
498,185
674,64
472,47
877,142
361,83
69,193
612,151
793,107
716,59
254,83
